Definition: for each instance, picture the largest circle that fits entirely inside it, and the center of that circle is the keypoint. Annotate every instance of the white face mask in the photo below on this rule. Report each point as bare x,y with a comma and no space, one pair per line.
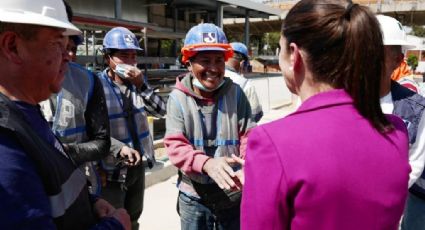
199,85
121,69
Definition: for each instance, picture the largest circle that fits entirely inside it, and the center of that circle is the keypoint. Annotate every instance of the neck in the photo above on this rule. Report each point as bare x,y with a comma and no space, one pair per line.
309,87
385,87
17,93
115,78
311,91
203,93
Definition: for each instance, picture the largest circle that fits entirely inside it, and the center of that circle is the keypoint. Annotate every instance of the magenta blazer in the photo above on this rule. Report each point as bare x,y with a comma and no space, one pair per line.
324,167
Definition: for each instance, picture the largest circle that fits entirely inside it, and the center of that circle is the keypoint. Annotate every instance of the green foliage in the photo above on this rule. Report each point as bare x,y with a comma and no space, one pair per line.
418,31
412,61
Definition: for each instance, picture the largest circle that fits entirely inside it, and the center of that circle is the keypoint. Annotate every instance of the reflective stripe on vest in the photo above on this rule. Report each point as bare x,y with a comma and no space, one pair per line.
118,121
227,139
70,190
69,122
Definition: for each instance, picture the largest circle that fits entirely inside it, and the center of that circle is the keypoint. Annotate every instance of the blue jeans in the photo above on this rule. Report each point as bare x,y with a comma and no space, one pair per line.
196,216
414,214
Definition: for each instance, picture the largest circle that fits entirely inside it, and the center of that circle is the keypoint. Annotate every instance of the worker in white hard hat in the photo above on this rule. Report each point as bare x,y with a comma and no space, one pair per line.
40,185
403,102
234,71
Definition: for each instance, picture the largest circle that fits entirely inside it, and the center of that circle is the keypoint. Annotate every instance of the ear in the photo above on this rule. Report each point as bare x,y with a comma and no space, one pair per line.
189,66
296,57
10,47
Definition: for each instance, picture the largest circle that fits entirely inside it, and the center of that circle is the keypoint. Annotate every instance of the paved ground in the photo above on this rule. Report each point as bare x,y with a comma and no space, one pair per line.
159,211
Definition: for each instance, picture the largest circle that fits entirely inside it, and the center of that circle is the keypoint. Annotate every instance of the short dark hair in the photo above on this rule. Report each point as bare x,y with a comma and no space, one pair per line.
69,11
238,56
26,31
344,49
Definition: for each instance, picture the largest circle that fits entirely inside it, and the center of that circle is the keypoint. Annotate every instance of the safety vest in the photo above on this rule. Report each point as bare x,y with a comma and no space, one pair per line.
227,139
67,119
120,129
410,106
63,182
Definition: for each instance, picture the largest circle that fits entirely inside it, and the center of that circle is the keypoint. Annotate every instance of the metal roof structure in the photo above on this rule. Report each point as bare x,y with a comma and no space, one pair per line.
231,8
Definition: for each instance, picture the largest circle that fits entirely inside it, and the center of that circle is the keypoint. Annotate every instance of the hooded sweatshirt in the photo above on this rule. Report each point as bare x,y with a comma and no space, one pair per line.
179,148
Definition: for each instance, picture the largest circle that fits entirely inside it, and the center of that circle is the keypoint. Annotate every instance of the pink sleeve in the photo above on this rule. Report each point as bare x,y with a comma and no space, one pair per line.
183,155
243,140
265,190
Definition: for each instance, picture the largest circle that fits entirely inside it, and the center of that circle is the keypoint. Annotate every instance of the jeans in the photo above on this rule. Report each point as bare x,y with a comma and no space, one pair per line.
128,195
196,216
414,214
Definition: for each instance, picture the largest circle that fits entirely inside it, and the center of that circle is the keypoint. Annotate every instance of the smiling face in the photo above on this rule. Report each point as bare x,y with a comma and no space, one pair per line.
208,68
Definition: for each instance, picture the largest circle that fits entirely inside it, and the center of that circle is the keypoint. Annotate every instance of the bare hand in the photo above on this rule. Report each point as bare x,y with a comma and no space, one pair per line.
135,76
102,208
220,171
122,216
239,179
132,156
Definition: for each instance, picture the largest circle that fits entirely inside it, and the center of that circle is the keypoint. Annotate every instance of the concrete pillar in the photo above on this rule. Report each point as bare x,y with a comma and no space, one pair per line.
176,41
219,19
246,32
118,9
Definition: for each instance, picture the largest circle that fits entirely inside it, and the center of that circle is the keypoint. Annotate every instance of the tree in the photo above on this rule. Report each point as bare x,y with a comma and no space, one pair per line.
412,61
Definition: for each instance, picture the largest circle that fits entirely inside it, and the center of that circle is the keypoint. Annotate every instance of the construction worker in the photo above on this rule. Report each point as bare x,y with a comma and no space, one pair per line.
208,119
78,115
400,101
234,72
128,98
40,186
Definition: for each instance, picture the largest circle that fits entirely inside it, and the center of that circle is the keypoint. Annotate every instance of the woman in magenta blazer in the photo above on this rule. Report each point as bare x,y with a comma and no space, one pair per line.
337,163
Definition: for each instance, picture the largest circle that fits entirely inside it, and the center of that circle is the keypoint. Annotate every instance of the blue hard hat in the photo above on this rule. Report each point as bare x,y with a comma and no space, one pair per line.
122,39
240,48
205,37
77,39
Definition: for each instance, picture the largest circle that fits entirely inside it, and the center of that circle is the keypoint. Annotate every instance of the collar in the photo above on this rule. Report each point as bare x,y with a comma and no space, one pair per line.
325,99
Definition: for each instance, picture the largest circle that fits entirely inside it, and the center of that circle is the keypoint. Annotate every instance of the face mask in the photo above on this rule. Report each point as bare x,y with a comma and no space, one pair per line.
121,69
199,85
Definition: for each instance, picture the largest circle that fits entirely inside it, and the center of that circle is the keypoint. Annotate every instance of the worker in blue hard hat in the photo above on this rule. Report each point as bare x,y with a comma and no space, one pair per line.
129,98
234,71
208,118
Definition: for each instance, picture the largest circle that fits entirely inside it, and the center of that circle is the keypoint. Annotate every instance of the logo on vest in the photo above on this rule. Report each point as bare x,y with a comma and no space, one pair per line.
68,112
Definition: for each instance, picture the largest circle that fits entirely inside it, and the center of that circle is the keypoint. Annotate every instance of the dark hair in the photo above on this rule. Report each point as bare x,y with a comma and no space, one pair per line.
26,31
344,48
69,11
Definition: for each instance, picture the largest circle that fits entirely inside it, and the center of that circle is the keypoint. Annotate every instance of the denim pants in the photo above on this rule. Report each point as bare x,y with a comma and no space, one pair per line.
196,216
414,214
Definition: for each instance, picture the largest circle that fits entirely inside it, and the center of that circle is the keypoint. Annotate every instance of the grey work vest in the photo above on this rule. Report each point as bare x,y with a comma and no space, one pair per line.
409,106
68,122
63,182
227,140
120,129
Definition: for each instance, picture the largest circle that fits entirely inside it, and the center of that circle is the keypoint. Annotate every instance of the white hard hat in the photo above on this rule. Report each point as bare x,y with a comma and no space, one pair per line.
393,32
38,12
